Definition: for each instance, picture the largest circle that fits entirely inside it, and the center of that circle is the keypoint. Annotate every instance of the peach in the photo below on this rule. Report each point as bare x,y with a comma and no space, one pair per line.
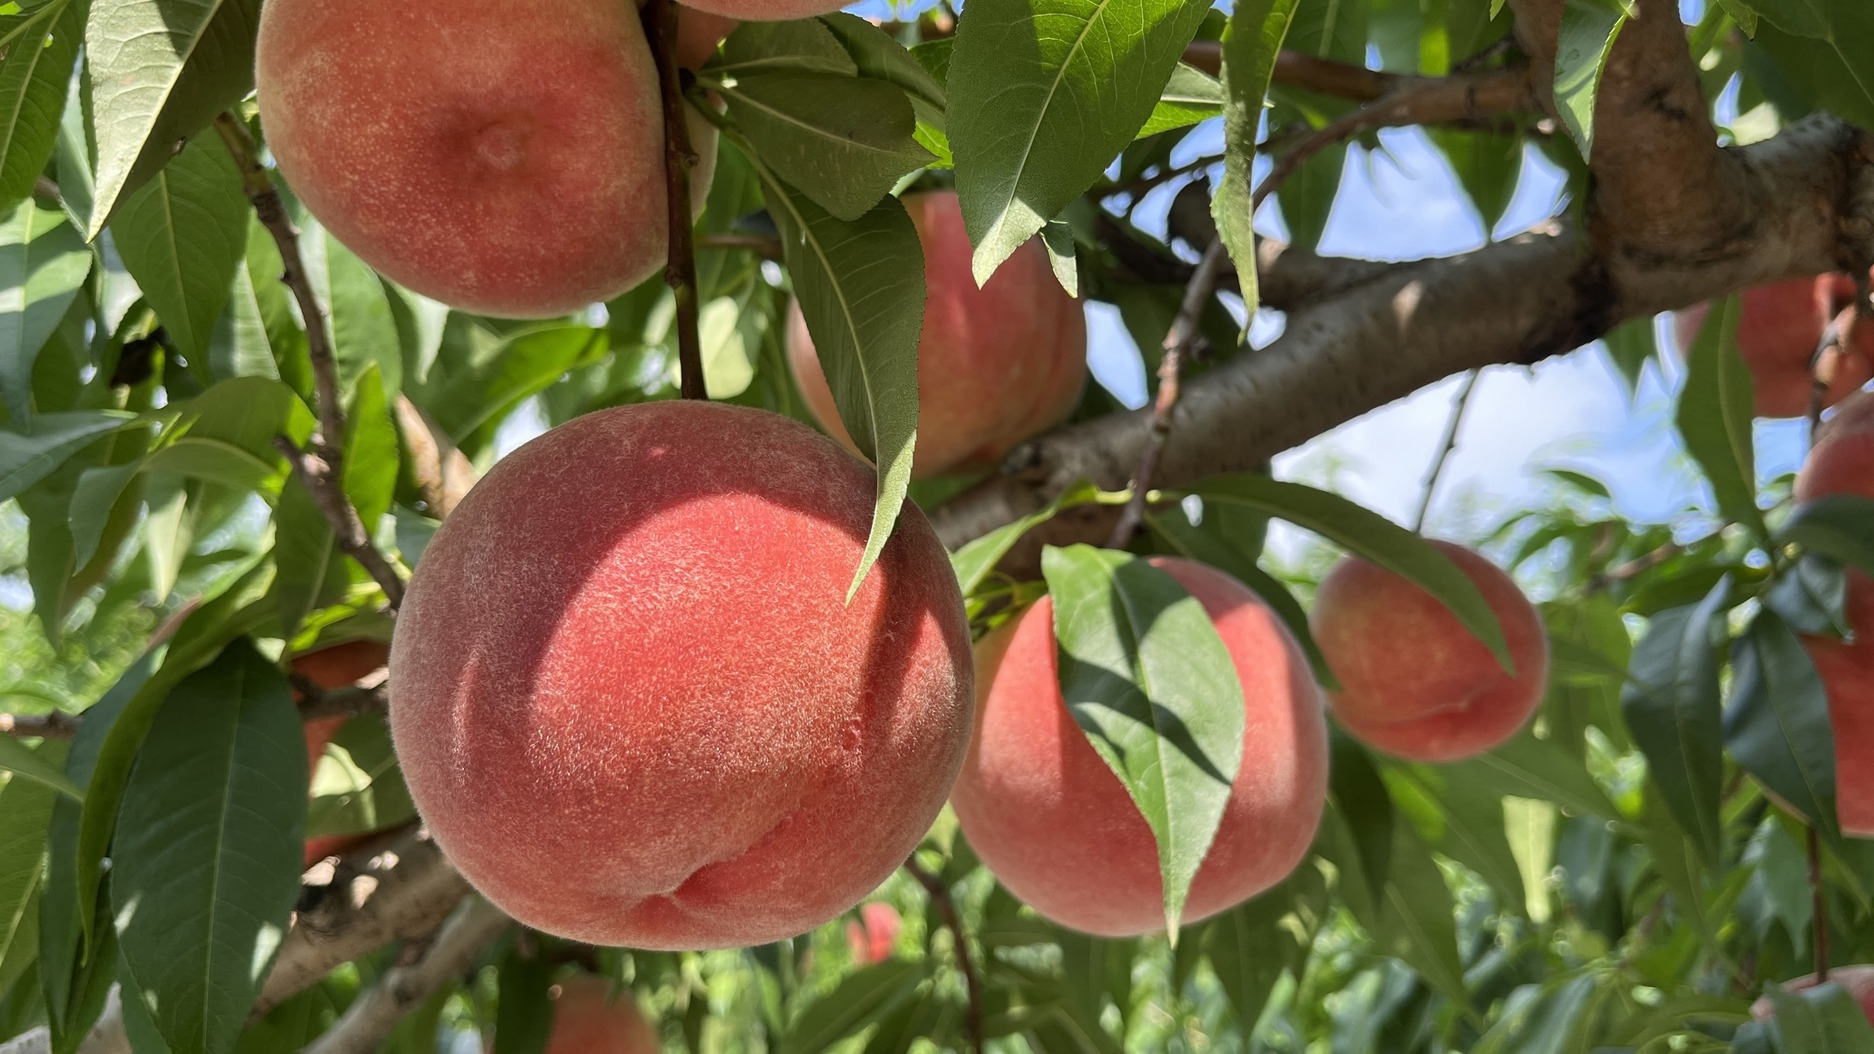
1858,981
872,937
589,1018
631,699
1779,326
996,364
507,166
699,33
334,667
1842,462
1057,828
1414,682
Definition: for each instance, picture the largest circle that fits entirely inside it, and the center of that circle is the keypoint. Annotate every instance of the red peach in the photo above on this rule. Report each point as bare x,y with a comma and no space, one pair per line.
1414,682
1842,460
507,166
872,937
1779,326
590,1018
1057,828
1858,981
632,701
996,364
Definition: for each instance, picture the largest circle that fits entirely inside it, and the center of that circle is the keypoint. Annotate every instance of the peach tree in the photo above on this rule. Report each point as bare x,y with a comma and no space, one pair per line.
649,747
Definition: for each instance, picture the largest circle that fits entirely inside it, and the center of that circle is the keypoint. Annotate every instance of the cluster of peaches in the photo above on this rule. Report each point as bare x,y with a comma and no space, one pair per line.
630,695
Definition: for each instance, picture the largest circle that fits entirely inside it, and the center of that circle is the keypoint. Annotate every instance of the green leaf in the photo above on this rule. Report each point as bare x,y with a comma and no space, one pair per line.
1714,416
861,291
1461,817
800,46
975,561
862,997
1043,94
1777,726
1589,29
1630,345
1190,97
25,459
364,331
1826,58
1250,46
43,262
523,1011
1150,682
205,866
27,764
156,73
1371,537
469,394
25,816
1840,526
225,435
1196,543
1249,948
181,237
1674,712
1488,166
1527,767
879,57
843,141
1820,1020
357,787
37,51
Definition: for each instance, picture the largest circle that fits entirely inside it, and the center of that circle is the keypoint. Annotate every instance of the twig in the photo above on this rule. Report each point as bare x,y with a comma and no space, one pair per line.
763,246
371,1017
660,19
1634,568
1822,368
1178,343
1458,406
1819,914
320,478
947,906
322,466
345,702
55,725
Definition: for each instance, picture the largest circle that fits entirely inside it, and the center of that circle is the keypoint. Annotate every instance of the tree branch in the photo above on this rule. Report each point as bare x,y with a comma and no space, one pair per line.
371,1017
322,466
345,702
1450,443
1402,326
1178,343
54,725
947,906
660,21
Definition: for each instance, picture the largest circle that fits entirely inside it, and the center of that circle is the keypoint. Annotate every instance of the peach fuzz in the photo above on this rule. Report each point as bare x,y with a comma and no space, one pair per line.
1779,326
1858,981
1414,683
529,201
631,699
338,666
1842,462
996,364
1057,828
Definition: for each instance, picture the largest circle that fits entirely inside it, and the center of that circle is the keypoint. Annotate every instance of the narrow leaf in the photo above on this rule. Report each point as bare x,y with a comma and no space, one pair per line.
1150,682
1777,726
1840,526
35,75
43,262
28,764
1673,710
1251,43
1589,29
1714,416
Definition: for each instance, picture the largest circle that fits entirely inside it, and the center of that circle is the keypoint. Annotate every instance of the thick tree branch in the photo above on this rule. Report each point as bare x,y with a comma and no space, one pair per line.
346,702
371,1017
1403,326
1465,96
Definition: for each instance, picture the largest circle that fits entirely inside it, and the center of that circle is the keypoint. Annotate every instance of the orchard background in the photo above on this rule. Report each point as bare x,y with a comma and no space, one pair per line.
216,484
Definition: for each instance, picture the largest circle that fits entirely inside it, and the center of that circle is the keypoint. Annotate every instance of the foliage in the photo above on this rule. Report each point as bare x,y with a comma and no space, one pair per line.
1627,875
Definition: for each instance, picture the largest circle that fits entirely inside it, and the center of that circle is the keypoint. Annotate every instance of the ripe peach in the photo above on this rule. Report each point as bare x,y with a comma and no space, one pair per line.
633,704
996,365
1414,682
1778,329
588,1018
1858,981
335,667
698,34
1842,462
1051,820
530,199
872,937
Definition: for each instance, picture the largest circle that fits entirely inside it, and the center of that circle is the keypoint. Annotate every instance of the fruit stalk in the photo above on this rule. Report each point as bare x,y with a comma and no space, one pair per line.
660,27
